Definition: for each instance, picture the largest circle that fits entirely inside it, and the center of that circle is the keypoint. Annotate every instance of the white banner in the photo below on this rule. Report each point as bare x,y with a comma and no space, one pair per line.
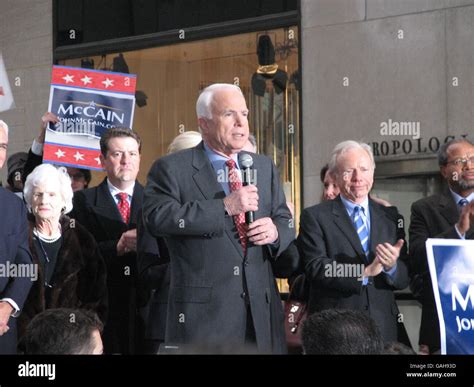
6,96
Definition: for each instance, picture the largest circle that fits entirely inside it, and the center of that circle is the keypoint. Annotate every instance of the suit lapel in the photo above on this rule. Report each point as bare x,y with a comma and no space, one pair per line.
344,222
137,200
107,213
206,180
105,203
448,208
377,237
205,177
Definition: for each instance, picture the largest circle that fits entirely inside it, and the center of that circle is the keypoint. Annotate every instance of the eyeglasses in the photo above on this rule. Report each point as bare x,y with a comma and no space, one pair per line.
463,162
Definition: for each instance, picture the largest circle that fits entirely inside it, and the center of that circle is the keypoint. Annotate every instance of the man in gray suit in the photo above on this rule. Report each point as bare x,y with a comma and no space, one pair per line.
349,245
221,276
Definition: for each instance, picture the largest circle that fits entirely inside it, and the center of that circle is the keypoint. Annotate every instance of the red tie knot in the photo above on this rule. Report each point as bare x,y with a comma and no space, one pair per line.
122,196
231,164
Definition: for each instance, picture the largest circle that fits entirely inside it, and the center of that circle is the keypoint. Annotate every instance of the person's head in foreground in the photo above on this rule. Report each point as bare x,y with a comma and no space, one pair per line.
341,332
63,331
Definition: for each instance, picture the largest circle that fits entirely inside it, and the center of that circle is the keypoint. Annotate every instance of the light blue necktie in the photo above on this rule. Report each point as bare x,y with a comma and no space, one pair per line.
361,229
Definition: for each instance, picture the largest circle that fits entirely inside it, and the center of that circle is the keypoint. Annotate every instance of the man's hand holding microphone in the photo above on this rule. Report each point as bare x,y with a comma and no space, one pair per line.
245,200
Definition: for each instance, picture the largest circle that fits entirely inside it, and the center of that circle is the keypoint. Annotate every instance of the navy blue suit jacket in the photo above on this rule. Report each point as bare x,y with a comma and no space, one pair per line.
13,249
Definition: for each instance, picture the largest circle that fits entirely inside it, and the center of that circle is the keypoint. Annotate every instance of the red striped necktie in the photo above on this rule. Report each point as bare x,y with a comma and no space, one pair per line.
124,206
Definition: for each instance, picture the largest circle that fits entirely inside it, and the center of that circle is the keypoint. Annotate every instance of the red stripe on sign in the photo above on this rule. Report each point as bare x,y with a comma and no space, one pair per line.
73,156
97,80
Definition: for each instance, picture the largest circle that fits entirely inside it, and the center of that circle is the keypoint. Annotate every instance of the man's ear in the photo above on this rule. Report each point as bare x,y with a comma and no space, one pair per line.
102,160
202,122
444,171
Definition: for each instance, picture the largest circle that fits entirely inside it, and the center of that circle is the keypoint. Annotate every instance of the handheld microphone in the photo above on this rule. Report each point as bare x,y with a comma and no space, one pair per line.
246,162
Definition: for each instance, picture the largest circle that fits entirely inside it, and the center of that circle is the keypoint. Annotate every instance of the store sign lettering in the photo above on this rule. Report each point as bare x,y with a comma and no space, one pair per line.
410,146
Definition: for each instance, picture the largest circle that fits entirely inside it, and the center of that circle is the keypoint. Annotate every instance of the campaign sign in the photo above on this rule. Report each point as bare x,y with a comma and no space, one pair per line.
451,264
87,103
6,96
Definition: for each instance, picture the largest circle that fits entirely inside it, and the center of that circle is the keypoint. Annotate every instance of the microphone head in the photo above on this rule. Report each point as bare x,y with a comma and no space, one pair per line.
245,160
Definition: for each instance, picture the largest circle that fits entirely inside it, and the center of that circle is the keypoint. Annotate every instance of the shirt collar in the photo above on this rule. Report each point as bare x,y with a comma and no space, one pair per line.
351,205
457,197
114,190
217,160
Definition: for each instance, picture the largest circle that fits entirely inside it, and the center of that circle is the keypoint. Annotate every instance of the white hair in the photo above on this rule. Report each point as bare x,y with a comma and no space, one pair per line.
185,140
44,173
4,125
342,148
203,104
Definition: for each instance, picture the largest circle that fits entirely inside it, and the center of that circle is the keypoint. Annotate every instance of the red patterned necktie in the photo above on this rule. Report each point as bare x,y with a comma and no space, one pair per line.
235,183
124,206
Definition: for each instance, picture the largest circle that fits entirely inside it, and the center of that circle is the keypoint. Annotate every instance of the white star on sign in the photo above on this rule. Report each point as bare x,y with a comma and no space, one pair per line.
108,82
60,153
86,80
98,160
69,78
78,156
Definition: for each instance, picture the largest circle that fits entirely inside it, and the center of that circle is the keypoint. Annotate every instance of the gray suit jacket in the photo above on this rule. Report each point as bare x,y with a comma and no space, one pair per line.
328,236
212,283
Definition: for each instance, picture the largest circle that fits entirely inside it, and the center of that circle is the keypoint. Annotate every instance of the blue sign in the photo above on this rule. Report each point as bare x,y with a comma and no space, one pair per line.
451,263
90,114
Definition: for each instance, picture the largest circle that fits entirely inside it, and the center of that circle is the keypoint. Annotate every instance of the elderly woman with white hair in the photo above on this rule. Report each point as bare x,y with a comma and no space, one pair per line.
71,271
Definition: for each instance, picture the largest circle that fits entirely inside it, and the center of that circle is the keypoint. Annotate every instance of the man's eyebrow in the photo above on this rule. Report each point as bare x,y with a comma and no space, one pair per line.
234,110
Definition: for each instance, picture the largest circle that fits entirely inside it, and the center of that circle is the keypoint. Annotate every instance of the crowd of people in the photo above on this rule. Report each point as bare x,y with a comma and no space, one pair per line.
129,269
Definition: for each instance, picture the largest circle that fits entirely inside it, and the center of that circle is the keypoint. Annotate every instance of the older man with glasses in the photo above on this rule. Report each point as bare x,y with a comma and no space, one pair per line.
447,215
357,237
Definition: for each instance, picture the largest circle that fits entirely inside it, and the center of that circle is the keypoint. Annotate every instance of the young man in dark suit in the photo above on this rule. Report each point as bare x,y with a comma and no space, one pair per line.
349,246
447,215
222,284
14,251
109,211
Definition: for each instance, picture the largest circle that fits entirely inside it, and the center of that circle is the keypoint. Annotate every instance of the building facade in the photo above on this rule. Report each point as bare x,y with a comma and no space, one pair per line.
395,74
